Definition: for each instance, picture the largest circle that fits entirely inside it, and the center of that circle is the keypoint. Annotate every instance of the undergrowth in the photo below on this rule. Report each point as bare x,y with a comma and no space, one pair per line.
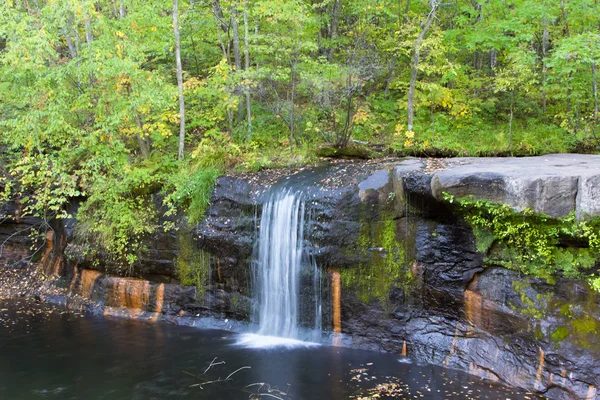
533,243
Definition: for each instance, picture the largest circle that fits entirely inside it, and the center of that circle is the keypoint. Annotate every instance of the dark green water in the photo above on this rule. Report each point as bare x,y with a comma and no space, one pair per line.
47,353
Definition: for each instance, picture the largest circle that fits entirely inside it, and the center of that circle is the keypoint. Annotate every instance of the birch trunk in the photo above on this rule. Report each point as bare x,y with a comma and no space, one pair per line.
179,79
415,63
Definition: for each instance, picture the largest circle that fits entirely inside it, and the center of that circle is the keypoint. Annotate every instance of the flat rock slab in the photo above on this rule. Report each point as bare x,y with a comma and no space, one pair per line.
555,184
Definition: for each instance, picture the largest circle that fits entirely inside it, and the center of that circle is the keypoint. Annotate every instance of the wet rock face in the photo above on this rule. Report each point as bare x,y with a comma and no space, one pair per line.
438,301
15,235
228,229
408,275
488,332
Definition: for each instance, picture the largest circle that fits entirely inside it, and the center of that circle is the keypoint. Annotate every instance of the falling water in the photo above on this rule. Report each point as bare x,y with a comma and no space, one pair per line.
280,262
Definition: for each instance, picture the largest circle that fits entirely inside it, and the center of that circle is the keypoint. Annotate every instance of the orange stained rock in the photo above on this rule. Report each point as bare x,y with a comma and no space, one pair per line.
74,280
160,298
540,371
88,280
131,293
404,349
473,304
47,253
336,298
591,394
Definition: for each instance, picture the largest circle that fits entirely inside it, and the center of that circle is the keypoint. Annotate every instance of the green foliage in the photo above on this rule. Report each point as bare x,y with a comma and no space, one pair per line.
532,243
190,191
119,213
88,96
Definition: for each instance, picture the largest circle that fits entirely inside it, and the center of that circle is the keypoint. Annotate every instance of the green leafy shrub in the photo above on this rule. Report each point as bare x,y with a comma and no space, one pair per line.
119,213
190,191
532,243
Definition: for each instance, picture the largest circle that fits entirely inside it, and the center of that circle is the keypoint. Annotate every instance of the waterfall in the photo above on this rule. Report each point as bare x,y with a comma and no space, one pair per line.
281,262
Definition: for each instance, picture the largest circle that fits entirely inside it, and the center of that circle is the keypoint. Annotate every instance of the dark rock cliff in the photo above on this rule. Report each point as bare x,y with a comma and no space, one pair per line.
411,279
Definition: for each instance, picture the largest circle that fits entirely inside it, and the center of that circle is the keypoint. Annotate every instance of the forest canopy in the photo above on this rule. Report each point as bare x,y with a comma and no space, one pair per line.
92,94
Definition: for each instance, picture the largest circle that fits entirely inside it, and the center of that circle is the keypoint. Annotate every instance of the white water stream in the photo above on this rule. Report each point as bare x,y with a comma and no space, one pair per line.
280,262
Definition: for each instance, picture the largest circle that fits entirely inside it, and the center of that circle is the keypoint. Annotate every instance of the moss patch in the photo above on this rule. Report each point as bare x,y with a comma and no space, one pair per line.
387,263
193,265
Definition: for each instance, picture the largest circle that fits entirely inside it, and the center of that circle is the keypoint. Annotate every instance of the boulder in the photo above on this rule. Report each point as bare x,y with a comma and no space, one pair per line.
556,184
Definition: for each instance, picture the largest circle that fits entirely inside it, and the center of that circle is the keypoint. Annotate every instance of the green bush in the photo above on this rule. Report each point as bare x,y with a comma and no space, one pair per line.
534,244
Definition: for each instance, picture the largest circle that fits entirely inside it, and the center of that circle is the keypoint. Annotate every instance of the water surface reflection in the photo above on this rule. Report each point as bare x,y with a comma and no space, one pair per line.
48,353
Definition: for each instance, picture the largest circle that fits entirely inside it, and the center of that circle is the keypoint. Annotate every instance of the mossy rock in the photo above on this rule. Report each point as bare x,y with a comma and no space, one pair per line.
348,152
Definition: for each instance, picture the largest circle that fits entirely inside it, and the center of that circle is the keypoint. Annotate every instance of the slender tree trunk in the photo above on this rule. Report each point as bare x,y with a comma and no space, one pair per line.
89,37
72,41
196,63
122,9
115,12
415,64
576,117
565,15
246,69
293,105
179,79
545,44
333,32
510,121
71,46
493,59
222,28
218,13
595,92
142,144
236,54
569,96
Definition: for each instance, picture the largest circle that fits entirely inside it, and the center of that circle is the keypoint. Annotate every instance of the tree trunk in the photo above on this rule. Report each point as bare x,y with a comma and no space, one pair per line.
122,9
179,79
221,28
545,44
71,46
565,16
595,92
141,143
415,64
569,97
510,121
406,10
493,59
236,54
333,31
218,13
293,105
88,31
246,69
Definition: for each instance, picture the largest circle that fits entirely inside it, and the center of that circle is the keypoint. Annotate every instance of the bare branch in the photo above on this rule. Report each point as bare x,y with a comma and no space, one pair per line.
237,370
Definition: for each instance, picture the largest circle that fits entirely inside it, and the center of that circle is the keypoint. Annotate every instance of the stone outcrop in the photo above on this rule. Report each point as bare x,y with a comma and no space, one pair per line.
443,305
556,184
406,265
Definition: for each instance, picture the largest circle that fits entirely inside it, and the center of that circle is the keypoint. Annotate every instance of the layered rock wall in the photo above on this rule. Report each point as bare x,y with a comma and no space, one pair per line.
404,273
